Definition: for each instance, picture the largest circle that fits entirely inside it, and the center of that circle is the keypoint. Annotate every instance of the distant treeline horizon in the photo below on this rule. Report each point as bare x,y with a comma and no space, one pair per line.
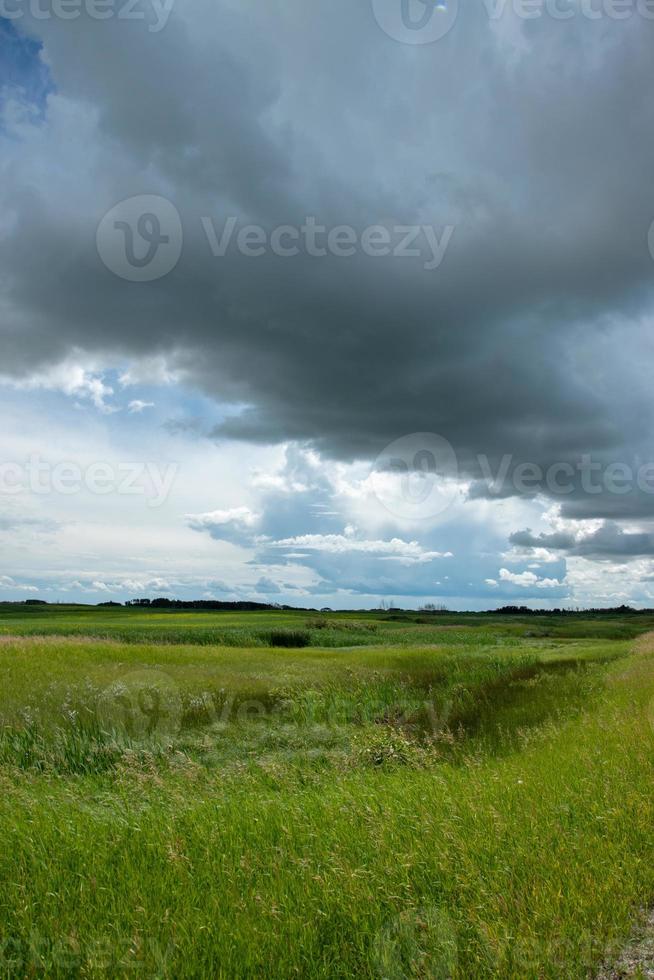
390,611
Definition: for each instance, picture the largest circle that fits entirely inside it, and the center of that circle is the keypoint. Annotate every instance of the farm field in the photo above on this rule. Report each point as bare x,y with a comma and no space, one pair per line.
322,795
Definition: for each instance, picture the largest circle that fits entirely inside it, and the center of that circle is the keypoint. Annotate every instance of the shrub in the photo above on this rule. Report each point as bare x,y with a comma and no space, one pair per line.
289,638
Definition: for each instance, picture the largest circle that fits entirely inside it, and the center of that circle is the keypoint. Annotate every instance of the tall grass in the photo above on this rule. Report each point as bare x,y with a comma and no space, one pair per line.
480,811
251,629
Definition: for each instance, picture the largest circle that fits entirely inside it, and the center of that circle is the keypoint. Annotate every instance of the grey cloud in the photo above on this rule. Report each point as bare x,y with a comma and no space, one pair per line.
14,522
608,542
237,525
557,540
266,586
185,426
527,340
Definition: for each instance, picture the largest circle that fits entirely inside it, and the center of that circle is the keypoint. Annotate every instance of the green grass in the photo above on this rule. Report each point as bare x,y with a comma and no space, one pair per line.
142,625
399,807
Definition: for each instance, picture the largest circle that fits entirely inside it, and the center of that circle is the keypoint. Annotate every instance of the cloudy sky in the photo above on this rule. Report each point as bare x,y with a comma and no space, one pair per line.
327,303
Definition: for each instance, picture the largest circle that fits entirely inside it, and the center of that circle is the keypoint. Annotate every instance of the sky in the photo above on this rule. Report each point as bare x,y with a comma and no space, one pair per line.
327,304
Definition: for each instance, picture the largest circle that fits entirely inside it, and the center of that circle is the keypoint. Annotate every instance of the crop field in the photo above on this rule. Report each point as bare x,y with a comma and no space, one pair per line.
299,794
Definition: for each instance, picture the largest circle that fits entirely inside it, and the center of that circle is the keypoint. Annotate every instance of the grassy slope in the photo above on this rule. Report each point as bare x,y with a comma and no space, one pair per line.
336,832
138,625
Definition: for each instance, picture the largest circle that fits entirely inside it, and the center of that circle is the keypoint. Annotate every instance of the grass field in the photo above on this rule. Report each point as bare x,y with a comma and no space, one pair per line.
451,796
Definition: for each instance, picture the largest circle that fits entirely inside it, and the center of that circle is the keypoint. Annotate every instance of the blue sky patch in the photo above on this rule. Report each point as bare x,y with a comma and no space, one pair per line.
21,67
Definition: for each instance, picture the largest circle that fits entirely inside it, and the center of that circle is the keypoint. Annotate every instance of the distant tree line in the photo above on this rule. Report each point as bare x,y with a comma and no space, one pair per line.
240,606
429,608
392,611
525,611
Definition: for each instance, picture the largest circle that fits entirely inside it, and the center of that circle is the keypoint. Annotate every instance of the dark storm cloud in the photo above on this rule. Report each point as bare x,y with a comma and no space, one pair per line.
529,339
557,540
605,484
608,542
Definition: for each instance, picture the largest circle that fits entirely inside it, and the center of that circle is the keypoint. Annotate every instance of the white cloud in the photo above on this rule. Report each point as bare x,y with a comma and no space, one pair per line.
150,371
338,544
9,584
72,378
241,517
137,406
528,580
